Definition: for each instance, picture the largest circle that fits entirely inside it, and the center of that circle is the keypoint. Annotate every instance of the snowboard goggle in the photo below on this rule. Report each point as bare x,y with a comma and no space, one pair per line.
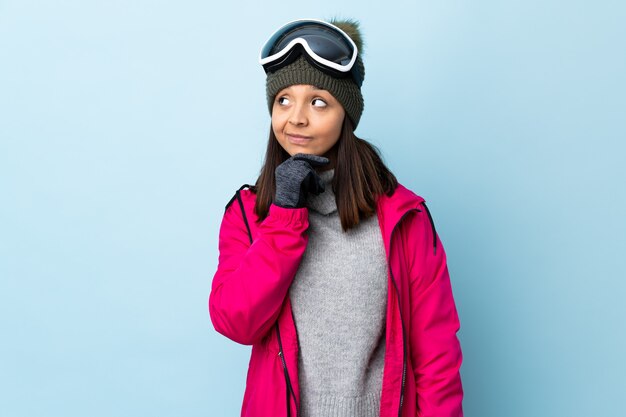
324,45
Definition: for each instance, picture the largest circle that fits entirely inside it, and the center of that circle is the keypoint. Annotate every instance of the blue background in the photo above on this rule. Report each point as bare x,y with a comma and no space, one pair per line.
125,127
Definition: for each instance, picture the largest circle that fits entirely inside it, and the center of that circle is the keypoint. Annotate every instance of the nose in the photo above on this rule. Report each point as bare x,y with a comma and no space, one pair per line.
298,115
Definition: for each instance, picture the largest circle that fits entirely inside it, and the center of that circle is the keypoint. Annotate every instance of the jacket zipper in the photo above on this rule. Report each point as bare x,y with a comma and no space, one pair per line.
280,344
287,379
401,320
403,347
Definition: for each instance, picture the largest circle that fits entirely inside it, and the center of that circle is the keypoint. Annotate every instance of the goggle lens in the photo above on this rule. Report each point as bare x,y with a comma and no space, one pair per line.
324,42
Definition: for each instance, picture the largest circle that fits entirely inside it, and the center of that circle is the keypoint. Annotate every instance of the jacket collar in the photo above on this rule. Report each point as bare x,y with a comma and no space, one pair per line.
392,208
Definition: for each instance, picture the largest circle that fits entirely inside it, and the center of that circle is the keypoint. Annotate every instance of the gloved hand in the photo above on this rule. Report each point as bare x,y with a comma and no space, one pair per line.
296,177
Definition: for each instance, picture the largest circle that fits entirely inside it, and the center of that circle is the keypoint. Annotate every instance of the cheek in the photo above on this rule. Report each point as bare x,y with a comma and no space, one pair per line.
336,125
276,125
278,119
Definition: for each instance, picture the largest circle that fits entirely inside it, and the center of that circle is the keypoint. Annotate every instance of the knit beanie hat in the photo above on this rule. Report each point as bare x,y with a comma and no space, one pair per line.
345,90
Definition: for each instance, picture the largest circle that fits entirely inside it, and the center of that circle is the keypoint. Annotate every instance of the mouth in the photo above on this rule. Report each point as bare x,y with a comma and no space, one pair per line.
298,139
293,135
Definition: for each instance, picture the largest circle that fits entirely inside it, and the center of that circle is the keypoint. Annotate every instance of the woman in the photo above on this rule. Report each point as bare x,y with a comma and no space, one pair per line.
328,267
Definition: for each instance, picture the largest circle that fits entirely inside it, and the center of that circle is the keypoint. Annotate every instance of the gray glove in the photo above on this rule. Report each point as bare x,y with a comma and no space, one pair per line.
296,177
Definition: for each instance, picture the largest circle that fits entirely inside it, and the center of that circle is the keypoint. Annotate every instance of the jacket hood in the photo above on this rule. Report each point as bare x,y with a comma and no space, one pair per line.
391,209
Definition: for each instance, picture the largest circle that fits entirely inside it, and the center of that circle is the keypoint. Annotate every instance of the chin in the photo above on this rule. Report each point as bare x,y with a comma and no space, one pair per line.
292,151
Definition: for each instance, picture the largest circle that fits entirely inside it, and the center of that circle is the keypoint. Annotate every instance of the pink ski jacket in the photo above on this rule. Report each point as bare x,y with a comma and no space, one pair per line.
249,304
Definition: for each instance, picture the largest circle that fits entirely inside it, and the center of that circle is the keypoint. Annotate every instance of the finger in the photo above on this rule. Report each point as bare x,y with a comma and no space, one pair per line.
314,183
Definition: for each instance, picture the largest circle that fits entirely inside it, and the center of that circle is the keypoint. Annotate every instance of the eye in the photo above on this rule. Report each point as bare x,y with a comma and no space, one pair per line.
321,101
282,98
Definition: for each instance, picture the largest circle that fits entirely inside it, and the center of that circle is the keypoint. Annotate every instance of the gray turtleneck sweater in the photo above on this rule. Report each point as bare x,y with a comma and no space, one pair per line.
339,300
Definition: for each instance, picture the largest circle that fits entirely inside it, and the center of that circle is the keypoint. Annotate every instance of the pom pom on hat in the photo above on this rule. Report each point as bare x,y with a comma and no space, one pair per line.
351,27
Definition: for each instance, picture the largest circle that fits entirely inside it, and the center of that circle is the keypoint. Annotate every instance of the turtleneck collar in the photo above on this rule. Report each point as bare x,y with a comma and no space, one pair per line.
325,202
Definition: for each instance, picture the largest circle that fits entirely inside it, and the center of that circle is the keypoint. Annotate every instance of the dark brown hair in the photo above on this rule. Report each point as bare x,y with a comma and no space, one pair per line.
360,177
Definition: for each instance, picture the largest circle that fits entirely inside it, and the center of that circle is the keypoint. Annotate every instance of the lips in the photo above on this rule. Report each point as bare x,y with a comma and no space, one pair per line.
298,139
298,136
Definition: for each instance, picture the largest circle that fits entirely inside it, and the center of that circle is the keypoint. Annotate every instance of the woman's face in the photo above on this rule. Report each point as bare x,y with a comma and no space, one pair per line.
306,119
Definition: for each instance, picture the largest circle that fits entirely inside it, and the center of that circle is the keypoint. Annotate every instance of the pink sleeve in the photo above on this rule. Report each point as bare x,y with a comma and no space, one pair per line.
252,280
435,349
